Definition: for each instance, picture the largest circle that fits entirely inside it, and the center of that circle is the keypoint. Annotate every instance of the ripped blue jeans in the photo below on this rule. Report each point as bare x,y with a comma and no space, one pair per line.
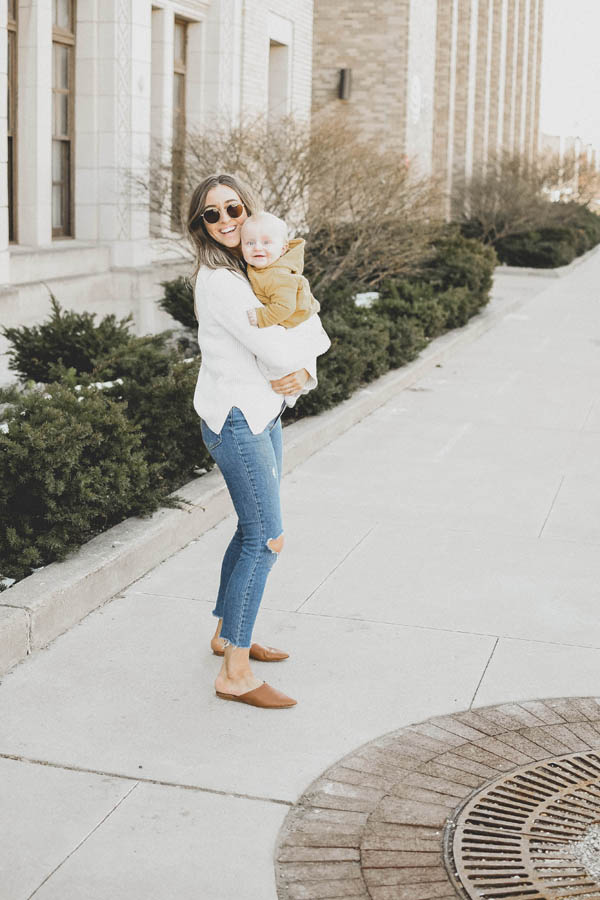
251,467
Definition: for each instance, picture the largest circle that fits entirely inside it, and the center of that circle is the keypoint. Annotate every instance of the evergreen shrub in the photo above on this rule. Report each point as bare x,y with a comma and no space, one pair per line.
162,408
178,301
403,301
546,248
574,230
460,261
71,466
588,222
66,340
358,353
458,304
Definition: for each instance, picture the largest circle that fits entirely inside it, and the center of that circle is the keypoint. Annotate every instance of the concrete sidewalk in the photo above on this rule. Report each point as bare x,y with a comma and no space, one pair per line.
441,554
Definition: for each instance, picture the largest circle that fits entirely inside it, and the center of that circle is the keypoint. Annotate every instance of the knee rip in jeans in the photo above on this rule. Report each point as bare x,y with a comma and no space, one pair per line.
275,545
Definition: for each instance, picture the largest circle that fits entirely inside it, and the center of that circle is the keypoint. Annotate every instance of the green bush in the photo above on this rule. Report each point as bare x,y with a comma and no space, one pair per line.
584,223
178,301
460,261
402,300
575,230
140,359
72,466
406,342
546,248
358,353
162,408
459,304
67,339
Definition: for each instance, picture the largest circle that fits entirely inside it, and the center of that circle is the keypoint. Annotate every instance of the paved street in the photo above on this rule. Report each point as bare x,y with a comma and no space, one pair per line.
441,554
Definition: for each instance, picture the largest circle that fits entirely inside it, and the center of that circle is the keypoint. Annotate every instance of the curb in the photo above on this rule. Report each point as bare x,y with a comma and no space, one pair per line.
49,602
558,272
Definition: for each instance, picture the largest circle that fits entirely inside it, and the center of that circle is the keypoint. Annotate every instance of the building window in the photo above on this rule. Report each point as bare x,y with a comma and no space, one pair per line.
178,152
279,56
12,118
63,94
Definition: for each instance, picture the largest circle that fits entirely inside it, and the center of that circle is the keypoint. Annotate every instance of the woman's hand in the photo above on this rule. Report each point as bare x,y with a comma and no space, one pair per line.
291,384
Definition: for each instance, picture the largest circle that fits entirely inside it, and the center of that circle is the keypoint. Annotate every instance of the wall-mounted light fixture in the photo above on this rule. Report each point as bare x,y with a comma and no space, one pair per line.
345,84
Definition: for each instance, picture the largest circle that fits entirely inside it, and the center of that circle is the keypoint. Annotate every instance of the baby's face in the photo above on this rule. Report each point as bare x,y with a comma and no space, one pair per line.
262,244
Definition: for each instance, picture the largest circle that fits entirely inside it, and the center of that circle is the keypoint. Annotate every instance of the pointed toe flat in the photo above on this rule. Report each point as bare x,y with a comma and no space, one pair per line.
265,697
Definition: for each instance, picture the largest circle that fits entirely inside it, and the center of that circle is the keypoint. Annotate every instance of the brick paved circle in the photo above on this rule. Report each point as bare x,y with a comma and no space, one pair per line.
372,826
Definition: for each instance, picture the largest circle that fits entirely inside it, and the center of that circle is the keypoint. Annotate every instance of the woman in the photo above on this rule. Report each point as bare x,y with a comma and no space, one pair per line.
241,425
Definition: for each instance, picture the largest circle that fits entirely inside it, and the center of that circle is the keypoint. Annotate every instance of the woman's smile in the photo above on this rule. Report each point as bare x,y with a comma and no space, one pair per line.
227,230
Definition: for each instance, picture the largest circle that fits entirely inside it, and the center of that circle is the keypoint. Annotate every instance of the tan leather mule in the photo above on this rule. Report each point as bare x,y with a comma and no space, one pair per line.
265,696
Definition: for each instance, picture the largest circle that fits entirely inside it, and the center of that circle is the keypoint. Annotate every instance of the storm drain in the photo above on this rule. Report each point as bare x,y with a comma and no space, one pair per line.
531,834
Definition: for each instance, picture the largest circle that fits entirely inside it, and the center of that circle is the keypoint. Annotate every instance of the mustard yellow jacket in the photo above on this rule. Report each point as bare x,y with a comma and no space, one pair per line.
283,290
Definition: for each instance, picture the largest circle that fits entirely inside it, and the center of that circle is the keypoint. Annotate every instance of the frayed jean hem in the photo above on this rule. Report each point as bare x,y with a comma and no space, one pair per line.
229,643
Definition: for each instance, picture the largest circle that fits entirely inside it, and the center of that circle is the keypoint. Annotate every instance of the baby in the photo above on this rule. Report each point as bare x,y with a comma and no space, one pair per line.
275,271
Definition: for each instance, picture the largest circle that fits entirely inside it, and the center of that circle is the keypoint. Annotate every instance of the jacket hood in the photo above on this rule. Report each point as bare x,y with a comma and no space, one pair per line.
293,258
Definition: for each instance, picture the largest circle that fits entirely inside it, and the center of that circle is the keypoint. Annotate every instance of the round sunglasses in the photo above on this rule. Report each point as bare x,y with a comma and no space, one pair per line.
233,210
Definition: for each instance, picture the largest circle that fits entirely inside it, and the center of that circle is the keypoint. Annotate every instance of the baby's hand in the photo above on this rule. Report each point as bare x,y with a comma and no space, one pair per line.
252,318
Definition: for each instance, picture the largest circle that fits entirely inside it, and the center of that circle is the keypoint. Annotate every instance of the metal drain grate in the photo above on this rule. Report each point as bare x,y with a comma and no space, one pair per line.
514,838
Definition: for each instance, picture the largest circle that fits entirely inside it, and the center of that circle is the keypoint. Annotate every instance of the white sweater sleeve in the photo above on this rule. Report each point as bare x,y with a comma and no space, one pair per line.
229,296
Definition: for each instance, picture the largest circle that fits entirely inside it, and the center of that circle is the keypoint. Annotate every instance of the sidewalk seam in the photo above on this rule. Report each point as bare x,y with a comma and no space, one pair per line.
66,767
335,568
81,842
557,492
483,673
489,634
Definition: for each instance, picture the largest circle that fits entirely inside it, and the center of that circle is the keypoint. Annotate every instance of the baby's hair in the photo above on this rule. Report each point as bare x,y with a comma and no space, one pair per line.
269,218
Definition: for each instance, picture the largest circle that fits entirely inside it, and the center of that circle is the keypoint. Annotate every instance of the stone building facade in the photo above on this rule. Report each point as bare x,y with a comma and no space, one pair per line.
89,87
447,81
92,86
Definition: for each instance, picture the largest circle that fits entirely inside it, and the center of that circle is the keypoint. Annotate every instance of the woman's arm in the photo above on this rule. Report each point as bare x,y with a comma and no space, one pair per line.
229,298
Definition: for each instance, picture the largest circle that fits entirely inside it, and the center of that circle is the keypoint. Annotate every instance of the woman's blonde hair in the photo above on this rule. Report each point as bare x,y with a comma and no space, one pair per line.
207,251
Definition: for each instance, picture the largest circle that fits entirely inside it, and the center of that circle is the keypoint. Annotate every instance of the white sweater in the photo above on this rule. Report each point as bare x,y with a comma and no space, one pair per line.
232,351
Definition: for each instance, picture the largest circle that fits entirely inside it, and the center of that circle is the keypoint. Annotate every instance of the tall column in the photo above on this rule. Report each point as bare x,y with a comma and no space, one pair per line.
472,85
161,120
482,80
223,65
494,130
521,78
532,74
464,95
4,257
34,122
443,106
508,116
196,52
86,120
124,128
420,82
538,77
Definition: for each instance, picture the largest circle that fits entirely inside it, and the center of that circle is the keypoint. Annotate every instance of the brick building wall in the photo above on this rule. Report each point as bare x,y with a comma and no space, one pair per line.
371,38
448,82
